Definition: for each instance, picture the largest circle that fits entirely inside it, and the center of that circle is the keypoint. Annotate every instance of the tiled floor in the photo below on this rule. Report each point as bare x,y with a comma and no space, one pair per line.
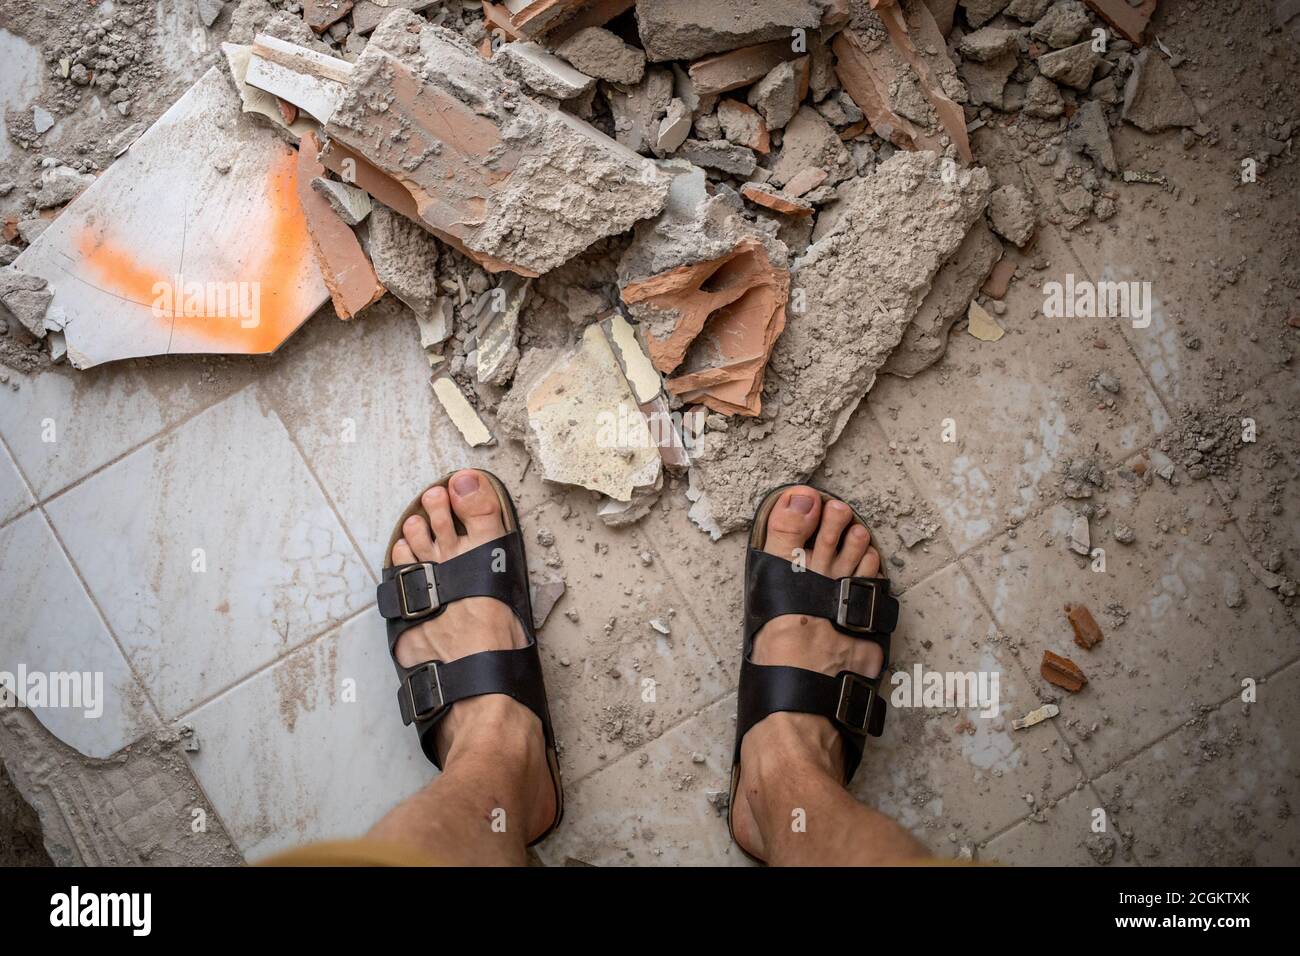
207,535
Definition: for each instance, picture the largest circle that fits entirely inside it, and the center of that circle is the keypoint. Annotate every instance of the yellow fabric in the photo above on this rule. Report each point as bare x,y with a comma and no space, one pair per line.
351,853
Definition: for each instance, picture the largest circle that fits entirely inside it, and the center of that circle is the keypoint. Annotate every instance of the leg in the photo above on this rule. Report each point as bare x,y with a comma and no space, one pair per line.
495,793
791,807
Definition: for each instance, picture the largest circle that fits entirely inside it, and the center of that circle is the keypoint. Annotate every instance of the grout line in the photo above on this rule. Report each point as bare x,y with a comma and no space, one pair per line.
161,433
329,499
699,711
318,637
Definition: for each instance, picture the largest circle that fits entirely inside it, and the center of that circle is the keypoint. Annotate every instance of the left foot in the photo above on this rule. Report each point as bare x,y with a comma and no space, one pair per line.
783,741
493,723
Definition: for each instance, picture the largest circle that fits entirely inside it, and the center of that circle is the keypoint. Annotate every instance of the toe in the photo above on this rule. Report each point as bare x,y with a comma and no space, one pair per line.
792,521
847,559
476,504
438,506
869,566
402,553
416,532
836,516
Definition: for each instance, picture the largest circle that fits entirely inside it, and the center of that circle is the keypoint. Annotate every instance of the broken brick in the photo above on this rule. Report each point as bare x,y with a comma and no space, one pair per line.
347,272
735,304
320,15
1086,632
1062,672
1129,18
766,196
730,71
742,124
432,122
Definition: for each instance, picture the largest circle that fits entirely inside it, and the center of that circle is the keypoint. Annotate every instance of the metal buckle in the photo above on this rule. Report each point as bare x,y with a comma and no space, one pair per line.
407,613
842,708
842,607
416,715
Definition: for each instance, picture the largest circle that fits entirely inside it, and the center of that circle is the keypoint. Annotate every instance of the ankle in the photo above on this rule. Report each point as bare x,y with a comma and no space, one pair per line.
493,725
785,747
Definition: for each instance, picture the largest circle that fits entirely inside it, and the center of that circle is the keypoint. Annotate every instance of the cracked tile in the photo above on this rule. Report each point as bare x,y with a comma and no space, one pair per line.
51,627
229,493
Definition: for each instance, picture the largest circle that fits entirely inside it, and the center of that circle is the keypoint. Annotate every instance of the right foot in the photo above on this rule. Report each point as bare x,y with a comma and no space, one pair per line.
468,626
782,741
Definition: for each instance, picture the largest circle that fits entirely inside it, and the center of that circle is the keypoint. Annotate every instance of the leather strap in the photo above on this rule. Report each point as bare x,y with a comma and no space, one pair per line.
411,594
860,607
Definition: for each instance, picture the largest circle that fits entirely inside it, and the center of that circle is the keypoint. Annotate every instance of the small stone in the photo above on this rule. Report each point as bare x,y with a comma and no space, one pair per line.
1011,214
42,121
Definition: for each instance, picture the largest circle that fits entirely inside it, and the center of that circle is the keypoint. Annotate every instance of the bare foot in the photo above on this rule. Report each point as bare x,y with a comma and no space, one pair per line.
494,722
783,741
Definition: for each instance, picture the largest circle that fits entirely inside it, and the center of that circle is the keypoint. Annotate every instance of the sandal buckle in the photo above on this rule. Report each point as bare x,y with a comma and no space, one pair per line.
842,606
846,710
431,587
435,685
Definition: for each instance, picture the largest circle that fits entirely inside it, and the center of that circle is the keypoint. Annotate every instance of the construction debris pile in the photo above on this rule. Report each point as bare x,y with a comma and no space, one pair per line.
651,240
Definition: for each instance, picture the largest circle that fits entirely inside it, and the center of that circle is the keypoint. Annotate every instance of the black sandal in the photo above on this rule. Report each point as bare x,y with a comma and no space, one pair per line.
859,607
411,594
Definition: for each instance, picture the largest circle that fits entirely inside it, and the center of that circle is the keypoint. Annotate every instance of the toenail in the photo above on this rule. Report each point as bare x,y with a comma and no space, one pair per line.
858,531
800,503
466,483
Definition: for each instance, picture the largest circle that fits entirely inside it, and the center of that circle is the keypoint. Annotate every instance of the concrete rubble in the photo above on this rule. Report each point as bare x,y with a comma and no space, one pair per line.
650,241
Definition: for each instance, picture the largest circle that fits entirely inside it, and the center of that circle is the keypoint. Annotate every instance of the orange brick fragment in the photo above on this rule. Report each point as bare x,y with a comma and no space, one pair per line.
1086,632
1062,672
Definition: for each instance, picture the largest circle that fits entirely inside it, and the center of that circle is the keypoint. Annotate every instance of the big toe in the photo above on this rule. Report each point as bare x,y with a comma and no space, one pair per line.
476,504
792,521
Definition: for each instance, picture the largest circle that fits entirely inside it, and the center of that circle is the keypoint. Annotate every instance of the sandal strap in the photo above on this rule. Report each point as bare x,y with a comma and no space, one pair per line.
859,607
428,690
850,701
410,594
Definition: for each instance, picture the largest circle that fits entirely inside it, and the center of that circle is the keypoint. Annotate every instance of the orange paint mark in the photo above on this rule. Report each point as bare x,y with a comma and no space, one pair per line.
221,310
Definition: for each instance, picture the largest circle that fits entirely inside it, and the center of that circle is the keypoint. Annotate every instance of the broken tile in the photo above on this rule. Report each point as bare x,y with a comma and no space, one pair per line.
764,195
260,102
497,330
636,366
579,420
1153,99
349,203
982,325
1036,716
447,103
730,71
1129,18
347,272
544,72
320,15
460,411
728,310
860,284
140,268
673,128
309,80
805,181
